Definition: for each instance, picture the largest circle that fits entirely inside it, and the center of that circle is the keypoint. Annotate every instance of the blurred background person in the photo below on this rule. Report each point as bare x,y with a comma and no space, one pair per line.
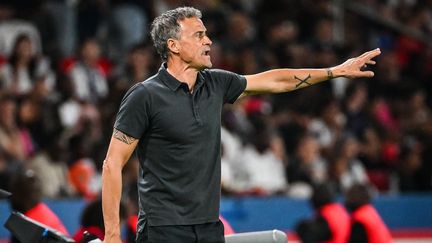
256,168
11,142
24,70
88,72
345,168
26,198
137,68
331,222
91,221
51,169
12,24
366,224
307,168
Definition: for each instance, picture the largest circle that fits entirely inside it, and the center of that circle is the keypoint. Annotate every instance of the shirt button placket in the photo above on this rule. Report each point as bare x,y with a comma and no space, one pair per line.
196,111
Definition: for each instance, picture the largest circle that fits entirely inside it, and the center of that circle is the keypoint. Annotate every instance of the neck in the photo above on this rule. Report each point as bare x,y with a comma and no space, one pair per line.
182,72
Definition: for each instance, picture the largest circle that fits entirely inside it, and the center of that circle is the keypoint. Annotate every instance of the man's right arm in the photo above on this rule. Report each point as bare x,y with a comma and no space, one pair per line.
120,149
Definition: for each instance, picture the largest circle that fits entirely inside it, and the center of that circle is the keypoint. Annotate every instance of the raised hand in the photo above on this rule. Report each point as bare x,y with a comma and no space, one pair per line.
352,68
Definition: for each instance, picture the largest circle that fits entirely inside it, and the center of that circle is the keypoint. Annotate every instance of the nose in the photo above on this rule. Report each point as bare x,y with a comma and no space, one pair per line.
207,41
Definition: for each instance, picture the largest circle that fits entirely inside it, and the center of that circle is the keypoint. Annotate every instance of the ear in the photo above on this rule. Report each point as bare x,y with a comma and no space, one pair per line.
173,45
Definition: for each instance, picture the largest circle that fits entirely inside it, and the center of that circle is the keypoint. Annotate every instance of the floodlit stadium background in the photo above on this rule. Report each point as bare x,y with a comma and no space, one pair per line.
379,131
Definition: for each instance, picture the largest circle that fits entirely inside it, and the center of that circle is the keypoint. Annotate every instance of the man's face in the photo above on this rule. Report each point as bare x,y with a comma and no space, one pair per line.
194,44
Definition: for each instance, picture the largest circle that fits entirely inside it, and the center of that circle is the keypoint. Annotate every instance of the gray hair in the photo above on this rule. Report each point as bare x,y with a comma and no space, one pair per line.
167,26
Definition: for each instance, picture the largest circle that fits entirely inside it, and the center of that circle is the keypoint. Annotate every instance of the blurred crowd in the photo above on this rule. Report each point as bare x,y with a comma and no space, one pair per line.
65,65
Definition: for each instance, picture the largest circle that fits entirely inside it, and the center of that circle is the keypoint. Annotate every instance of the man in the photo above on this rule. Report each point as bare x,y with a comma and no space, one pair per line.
173,119
26,198
331,223
367,225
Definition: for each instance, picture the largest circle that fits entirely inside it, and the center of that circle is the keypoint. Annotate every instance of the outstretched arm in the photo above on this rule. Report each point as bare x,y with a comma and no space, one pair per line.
285,80
119,151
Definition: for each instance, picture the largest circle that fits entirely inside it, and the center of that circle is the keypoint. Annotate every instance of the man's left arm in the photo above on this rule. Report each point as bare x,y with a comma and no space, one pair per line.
285,80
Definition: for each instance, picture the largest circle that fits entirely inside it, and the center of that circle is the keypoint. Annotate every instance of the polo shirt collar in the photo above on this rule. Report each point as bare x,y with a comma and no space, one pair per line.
174,83
168,79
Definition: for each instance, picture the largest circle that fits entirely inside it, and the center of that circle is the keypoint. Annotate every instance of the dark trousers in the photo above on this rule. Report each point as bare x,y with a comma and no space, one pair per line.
198,233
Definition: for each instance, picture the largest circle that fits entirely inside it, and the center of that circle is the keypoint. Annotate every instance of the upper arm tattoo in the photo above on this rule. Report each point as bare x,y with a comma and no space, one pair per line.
302,81
123,137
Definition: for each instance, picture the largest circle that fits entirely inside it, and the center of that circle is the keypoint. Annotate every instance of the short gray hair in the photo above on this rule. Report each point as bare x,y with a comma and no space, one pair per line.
167,26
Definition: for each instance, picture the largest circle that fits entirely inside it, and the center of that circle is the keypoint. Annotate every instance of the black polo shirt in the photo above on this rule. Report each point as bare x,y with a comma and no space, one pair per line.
179,147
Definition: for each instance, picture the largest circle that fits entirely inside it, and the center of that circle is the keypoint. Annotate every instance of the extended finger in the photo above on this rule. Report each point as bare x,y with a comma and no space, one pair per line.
361,74
368,53
370,62
367,74
371,54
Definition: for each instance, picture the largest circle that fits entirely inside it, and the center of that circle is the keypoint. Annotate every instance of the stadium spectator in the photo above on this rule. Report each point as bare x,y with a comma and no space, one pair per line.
255,168
11,142
307,168
410,165
345,168
328,126
88,73
91,221
24,70
51,170
354,108
12,26
367,225
138,67
331,222
27,199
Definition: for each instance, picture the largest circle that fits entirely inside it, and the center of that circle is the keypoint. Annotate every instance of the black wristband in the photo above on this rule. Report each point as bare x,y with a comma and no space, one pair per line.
329,73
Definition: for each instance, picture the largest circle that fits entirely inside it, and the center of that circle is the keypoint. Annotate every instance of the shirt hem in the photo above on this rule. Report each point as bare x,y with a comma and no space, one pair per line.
152,221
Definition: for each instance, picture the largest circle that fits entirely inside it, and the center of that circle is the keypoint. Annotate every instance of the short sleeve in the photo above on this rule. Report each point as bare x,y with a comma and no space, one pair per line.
132,117
233,84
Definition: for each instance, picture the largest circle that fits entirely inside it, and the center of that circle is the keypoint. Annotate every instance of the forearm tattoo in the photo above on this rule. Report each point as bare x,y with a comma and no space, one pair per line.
302,81
123,137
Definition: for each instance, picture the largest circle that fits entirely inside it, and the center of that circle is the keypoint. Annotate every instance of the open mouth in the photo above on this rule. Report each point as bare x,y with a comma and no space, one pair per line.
207,53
